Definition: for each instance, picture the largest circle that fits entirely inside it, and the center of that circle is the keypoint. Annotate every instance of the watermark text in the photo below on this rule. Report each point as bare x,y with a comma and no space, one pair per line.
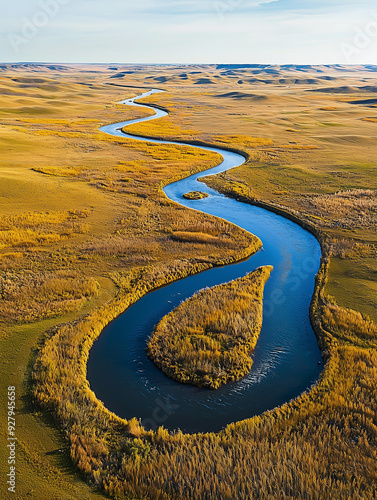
31,25
12,439
362,38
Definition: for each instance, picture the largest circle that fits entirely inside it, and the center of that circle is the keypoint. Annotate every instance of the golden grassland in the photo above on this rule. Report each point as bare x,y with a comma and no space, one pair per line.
207,341
304,160
29,296
77,210
37,229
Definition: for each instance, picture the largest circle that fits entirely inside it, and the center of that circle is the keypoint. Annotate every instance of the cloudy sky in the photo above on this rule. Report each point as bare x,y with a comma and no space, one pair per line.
190,31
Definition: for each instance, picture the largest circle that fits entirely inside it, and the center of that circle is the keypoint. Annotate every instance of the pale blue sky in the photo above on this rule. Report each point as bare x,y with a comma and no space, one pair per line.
190,31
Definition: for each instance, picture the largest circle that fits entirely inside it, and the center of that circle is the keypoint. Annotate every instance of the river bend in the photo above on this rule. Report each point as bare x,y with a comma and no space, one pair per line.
287,359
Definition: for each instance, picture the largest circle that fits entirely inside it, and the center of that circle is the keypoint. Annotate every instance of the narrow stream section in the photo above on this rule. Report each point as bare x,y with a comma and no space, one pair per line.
287,360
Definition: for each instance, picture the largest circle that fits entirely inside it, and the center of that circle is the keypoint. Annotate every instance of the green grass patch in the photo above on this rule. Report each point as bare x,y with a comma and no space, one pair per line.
354,284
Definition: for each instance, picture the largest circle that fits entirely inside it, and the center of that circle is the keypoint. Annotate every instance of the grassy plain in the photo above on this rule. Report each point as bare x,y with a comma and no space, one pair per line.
83,218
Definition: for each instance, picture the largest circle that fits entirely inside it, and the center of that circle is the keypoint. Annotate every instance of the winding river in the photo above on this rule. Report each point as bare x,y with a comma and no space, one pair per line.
287,360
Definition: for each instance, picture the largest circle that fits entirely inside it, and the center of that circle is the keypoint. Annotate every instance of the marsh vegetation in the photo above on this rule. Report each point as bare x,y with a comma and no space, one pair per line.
208,340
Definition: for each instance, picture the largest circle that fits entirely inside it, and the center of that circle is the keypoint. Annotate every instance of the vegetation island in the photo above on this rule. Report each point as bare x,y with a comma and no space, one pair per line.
195,195
207,340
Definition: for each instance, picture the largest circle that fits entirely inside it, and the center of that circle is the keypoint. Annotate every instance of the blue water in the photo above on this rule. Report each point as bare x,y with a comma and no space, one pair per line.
287,359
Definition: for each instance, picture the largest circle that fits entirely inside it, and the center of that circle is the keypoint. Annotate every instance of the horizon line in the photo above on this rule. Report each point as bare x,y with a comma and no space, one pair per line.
187,63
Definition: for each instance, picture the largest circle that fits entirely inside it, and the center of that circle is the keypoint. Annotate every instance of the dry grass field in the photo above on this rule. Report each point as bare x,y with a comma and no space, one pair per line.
85,229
